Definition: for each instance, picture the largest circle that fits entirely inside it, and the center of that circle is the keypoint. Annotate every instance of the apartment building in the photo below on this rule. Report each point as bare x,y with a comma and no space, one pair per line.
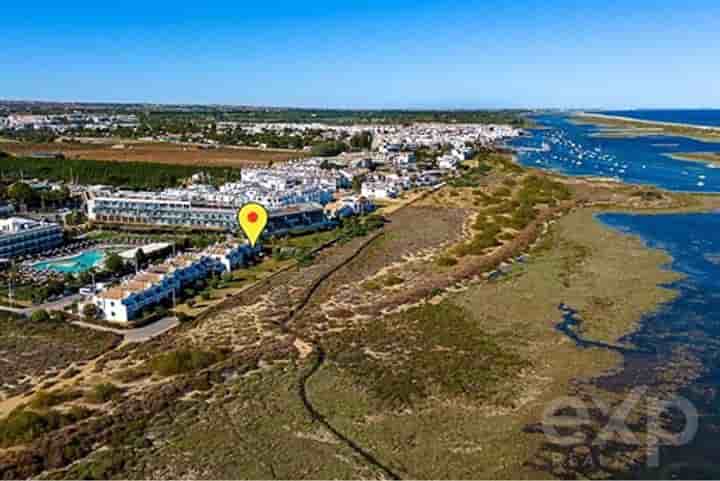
156,210
159,283
20,236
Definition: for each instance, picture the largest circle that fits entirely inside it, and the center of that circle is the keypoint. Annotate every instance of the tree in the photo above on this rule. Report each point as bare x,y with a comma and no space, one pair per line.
114,263
21,193
361,140
90,311
329,149
140,257
85,278
74,218
357,183
41,315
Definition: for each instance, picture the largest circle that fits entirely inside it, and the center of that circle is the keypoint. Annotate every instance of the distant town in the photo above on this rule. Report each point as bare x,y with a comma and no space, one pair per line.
60,227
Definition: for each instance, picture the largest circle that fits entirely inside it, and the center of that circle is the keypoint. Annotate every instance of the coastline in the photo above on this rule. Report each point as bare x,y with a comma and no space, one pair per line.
707,158
617,126
611,278
646,122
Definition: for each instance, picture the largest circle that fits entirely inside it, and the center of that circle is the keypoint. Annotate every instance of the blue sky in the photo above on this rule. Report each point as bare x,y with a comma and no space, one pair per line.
372,54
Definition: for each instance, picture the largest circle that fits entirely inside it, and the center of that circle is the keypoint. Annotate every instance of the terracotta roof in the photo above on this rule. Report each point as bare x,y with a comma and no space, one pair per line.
114,293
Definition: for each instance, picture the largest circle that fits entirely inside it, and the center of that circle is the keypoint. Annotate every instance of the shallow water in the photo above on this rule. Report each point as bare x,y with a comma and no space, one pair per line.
690,321
577,150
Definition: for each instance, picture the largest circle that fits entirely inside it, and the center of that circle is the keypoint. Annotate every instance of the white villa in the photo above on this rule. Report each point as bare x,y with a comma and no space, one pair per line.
122,303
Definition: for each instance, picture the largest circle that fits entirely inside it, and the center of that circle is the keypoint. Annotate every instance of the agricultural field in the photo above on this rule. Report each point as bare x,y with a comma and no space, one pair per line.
162,153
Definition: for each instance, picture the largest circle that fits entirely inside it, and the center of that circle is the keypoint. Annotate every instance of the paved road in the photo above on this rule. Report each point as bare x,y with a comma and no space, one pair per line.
140,334
58,305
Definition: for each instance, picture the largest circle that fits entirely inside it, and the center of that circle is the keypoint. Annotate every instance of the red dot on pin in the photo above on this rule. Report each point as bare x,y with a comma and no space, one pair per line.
252,217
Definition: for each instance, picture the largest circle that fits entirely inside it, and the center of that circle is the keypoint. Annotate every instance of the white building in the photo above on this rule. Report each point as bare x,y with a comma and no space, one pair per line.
350,206
20,236
449,162
379,190
161,282
150,209
404,159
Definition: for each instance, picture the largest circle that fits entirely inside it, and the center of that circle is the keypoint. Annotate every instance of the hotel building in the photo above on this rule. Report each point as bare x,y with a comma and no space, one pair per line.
20,236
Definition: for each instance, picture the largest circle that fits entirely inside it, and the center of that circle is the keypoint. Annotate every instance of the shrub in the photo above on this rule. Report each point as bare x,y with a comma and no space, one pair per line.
47,399
90,311
181,361
102,393
371,285
446,261
132,374
392,280
41,315
114,263
23,426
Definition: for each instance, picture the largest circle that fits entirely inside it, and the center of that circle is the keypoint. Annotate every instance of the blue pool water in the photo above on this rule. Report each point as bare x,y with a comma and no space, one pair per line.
73,265
708,117
691,322
578,150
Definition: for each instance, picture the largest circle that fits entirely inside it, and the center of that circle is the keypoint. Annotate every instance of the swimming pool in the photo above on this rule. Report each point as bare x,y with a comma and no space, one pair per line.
72,265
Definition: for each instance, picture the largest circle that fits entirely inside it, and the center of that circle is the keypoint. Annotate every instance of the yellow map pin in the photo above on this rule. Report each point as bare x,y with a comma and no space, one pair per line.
252,218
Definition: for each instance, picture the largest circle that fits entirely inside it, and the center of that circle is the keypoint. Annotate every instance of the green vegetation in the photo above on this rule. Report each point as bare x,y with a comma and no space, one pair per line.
359,226
332,116
470,177
182,361
23,426
114,263
136,175
449,356
102,393
90,311
329,149
47,399
391,280
41,315
484,239
514,213
446,261
361,140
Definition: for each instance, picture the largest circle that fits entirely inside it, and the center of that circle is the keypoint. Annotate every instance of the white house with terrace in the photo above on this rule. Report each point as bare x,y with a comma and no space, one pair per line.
146,289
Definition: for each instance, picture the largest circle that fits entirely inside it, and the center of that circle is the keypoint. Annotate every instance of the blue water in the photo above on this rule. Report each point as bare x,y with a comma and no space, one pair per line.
72,265
710,117
577,150
690,322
